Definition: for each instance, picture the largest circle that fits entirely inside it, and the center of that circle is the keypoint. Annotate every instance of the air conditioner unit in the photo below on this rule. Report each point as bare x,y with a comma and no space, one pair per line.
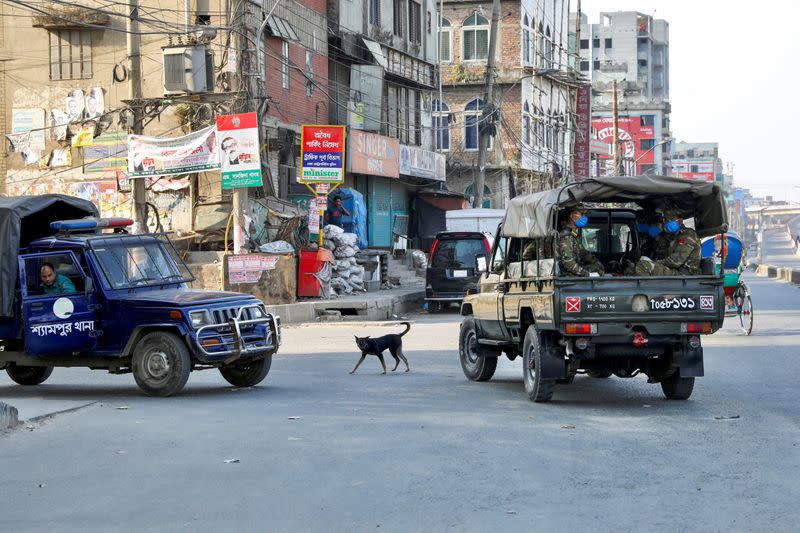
188,69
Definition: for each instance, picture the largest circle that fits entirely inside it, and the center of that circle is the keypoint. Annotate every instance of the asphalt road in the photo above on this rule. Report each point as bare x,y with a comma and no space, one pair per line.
422,451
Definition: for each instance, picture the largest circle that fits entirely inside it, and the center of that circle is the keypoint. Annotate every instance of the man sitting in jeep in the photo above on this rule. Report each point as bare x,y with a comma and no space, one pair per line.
575,260
683,253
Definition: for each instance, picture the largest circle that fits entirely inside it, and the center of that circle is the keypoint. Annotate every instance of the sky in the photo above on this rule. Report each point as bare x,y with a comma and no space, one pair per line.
735,80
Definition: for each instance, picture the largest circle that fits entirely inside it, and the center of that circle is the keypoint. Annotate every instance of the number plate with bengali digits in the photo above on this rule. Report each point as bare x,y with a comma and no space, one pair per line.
459,273
673,303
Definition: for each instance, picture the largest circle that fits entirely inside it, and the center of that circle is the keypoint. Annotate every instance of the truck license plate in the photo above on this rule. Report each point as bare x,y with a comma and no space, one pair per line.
673,303
459,273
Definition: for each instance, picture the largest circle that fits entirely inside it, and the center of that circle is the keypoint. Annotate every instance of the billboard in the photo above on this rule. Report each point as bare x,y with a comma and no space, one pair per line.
633,130
240,161
157,156
322,158
694,169
373,154
583,117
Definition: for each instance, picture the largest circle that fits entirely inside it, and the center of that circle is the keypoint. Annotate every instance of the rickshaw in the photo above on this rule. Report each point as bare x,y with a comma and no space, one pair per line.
728,253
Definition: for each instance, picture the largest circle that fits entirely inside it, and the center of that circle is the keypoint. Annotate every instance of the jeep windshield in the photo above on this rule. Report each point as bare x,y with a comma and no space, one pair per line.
139,261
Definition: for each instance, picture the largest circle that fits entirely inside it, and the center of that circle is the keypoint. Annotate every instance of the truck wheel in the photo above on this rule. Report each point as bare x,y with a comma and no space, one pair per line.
478,362
598,374
538,389
677,388
161,364
29,375
248,373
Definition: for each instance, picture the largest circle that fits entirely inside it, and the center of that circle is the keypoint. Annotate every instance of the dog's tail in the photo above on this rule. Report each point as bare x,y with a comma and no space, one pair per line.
408,327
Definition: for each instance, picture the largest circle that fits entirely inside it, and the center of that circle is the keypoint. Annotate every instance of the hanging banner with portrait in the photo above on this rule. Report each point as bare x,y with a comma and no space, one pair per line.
158,156
240,161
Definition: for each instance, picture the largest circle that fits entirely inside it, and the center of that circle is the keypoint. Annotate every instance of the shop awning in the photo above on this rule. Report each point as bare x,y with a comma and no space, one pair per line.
377,52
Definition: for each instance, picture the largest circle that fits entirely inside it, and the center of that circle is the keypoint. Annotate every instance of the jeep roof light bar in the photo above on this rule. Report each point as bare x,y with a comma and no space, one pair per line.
88,224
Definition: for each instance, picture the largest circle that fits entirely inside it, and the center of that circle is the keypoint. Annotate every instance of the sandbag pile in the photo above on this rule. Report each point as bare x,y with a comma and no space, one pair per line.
346,275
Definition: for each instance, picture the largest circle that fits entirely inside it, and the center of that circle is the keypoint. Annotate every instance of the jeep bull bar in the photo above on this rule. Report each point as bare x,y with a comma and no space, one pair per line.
227,339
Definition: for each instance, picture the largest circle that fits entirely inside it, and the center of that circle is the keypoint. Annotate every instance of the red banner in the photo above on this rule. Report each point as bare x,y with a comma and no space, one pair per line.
583,118
632,133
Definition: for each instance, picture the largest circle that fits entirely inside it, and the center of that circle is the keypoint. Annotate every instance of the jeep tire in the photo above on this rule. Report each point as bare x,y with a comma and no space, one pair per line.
247,373
28,375
538,389
477,361
677,388
161,364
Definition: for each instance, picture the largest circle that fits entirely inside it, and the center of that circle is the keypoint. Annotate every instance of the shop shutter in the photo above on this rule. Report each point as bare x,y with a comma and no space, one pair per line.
379,211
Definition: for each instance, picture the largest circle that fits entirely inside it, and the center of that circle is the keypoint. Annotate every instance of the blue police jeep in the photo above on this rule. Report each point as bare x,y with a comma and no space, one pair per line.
118,302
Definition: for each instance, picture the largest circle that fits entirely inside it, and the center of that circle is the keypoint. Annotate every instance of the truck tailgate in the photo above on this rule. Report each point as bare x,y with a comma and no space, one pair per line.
640,299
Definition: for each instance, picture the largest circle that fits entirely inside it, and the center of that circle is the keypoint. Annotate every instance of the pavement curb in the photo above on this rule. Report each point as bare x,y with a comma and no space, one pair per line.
9,416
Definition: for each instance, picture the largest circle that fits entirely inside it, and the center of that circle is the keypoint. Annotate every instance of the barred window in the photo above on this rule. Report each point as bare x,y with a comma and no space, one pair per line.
70,54
475,42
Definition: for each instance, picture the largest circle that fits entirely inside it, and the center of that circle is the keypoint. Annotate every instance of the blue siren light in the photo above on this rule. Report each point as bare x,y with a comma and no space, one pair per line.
89,224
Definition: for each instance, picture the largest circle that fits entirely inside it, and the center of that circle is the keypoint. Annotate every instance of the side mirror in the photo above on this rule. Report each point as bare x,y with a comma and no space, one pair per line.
89,287
481,263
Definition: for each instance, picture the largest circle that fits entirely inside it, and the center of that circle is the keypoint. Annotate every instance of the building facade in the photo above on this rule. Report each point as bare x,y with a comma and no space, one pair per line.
631,50
534,94
382,69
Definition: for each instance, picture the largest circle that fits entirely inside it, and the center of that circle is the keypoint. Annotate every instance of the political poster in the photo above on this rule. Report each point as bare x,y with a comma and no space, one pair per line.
240,160
158,156
322,158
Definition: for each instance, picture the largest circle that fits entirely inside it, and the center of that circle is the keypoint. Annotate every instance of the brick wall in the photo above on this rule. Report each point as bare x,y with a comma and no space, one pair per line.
292,105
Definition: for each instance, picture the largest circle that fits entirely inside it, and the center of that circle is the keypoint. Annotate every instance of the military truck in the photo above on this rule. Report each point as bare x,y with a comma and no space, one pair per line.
124,303
614,324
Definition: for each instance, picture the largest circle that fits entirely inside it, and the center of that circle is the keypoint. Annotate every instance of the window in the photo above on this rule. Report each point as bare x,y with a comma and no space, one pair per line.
475,40
548,49
693,168
596,64
648,120
398,18
584,65
430,17
375,12
526,124
642,62
458,253
526,41
445,41
607,44
472,115
690,152
203,20
63,275
414,22
647,144
309,73
647,169
584,44
285,64
540,47
441,124
596,42
70,54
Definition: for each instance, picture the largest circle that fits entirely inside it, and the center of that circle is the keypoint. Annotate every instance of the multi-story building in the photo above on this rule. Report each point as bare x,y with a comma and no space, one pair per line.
534,93
631,50
65,61
382,77
697,161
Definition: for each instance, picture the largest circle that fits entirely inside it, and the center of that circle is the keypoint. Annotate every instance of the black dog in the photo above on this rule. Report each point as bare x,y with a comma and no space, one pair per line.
393,342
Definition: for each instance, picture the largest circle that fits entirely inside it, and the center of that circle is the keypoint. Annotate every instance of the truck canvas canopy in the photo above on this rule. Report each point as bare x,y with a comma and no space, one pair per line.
534,215
27,218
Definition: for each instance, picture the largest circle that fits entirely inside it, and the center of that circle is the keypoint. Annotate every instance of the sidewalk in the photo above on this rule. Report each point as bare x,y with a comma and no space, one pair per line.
378,305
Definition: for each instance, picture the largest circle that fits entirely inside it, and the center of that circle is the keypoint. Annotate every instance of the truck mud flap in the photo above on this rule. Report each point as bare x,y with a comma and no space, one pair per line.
691,364
553,364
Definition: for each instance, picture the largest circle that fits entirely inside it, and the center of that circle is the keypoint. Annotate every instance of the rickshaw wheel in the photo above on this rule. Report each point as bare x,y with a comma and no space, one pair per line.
746,315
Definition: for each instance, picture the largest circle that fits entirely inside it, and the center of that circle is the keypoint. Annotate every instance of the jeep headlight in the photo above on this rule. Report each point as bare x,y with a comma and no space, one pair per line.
640,304
200,318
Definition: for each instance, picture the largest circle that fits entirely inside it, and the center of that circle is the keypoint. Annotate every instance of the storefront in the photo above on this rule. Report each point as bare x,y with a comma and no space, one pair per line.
373,162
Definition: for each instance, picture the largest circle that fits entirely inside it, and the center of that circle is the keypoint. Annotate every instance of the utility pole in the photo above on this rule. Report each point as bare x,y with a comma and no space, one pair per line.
577,91
484,124
239,196
615,119
138,190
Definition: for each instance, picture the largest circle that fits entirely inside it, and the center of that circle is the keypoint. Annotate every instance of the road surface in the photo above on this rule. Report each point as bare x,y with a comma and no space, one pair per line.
317,449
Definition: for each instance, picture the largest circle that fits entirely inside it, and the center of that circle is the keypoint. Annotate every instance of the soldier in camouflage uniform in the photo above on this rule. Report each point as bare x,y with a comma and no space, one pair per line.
574,259
683,253
655,243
